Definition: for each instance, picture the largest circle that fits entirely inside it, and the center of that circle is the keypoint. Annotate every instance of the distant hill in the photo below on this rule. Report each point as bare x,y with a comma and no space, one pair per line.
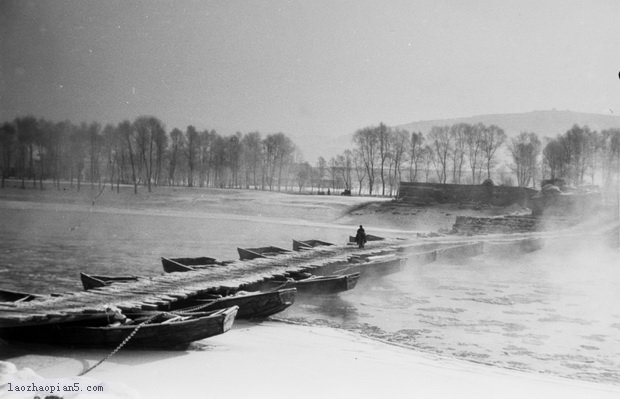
543,123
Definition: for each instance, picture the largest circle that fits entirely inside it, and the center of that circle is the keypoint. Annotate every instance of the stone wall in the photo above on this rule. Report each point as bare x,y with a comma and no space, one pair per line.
429,193
498,225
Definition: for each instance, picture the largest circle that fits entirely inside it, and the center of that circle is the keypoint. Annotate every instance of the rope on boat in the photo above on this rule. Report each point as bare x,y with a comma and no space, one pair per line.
122,344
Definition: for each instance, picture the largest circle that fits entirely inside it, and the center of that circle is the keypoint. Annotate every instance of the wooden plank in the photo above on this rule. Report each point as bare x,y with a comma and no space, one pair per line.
158,291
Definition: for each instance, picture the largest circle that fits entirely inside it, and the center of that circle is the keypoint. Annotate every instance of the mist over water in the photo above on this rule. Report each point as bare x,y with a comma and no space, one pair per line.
550,311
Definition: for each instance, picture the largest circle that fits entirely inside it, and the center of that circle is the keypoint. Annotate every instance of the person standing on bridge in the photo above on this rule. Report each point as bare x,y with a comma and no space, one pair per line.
360,237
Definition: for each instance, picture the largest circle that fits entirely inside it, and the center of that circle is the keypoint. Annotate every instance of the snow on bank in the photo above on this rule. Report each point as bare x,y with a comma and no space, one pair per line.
25,383
278,360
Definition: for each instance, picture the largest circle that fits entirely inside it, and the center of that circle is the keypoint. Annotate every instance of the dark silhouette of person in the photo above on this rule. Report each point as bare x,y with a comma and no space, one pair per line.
360,237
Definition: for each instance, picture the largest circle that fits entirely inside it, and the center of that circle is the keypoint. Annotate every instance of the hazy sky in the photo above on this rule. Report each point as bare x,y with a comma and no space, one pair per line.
305,67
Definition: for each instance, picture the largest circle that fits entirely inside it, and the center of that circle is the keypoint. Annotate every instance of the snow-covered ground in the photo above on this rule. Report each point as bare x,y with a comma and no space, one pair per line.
276,360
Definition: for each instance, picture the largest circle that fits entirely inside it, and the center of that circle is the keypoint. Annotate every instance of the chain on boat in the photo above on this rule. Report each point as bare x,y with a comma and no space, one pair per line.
145,322
122,344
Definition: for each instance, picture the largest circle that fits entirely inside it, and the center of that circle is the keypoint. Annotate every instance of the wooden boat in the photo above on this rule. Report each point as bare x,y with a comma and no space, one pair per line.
187,264
369,237
371,265
16,296
317,285
260,252
90,281
165,330
308,244
252,304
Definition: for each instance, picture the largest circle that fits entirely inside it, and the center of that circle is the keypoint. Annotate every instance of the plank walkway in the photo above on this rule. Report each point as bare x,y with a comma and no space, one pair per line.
159,291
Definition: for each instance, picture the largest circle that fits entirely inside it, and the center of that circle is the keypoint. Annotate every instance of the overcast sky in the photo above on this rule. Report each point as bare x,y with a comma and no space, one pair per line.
305,67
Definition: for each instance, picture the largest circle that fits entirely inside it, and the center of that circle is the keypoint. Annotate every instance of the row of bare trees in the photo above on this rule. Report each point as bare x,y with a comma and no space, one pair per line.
141,152
471,153
382,155
582,156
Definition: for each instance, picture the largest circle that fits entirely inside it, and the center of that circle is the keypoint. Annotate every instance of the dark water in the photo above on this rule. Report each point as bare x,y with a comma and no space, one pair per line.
552,311
45,250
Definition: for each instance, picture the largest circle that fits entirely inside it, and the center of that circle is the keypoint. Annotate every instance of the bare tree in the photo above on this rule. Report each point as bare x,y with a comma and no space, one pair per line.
95,144
473,145
108,135
416,150
286,149
572,154
177,147
525,150
332,170
215,159
611,157
367,143
555,158
26,133
321,167
343,165
428,157
441,142
161,146
234,151
383,134
459,132
278,152
347,166
148,130
210,155
360,168
399,140
7,143
577,144
303,174
120,154
252,155
492,138
128,131
193,142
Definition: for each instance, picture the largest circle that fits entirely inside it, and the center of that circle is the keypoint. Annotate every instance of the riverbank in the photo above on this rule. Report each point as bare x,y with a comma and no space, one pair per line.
382,213
278,360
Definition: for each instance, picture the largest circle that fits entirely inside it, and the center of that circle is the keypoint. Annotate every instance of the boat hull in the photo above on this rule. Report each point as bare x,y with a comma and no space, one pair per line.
156,335
299,245
94,281
256,304
172,265
369,266
16,296
369,237
320,285
261,252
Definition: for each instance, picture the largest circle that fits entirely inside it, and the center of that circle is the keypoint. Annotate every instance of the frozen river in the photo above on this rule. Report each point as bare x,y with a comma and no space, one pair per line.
552,311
